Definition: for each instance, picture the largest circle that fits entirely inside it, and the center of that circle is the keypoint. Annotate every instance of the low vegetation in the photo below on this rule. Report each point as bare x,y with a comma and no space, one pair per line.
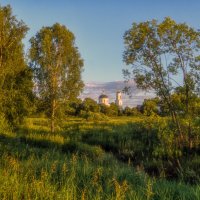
92,160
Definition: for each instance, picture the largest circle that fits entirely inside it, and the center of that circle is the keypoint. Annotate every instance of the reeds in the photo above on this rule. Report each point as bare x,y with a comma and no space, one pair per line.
37,165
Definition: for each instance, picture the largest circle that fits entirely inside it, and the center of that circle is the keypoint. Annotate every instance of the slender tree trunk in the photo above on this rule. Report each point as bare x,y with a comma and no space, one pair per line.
53,101
187,90
53,116
176,121
173,114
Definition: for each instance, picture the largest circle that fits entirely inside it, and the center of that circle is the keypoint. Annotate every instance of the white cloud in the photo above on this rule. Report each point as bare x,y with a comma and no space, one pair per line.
94,89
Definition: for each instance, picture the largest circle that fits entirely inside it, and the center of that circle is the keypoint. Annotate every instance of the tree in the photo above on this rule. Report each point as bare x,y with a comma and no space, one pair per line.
104,109
131,111
90,105
15,76
150,106
127,111
164,56
57,67
113,109
74,107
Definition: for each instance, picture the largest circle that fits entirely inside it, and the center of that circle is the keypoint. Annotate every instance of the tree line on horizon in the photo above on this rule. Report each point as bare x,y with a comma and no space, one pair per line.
163,56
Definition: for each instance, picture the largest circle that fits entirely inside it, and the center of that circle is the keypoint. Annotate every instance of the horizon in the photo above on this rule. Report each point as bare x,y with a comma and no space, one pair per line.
95,89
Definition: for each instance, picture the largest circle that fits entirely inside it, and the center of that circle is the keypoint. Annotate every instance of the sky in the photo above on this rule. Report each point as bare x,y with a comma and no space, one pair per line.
99,26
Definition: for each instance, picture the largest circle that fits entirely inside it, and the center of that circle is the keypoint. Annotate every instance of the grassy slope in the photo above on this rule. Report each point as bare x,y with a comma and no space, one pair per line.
35,164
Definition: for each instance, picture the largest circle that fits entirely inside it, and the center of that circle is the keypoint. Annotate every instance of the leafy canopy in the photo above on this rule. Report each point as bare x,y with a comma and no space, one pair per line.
162,53
165,56
15,76
57,67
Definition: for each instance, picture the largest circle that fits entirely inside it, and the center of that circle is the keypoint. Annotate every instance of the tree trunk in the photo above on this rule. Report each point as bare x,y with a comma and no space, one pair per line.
53,116
174,117
176,121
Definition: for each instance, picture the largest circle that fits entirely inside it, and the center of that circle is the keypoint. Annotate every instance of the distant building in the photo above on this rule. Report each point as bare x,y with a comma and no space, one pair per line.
103,99
118,100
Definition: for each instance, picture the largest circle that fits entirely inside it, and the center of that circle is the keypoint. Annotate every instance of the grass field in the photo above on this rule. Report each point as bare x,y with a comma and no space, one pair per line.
87,160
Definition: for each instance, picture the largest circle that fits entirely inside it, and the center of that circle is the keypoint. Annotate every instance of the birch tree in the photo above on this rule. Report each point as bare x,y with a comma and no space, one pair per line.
163,57
57,67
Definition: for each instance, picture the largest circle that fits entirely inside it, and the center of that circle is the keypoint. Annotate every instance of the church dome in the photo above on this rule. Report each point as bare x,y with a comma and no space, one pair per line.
103,96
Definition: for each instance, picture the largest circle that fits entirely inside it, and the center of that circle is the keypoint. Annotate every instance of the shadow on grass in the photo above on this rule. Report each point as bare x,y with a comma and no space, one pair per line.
18,145
22,145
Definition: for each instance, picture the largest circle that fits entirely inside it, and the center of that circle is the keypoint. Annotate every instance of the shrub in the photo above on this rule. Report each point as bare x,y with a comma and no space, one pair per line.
92,116
4,126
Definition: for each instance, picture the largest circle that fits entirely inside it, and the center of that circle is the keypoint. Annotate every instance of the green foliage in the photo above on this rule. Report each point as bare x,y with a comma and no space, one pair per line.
36,164
127,111
104,109
4,126
150,106
112,110
19,97
57,67
15,77
149,143
74,107
93,152
92,116
90,105
158,52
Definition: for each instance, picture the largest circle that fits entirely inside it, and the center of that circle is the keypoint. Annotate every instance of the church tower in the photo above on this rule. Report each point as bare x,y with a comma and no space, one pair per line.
118,100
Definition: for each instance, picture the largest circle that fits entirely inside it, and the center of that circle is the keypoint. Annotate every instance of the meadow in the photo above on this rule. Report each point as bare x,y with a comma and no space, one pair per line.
116,158
101,152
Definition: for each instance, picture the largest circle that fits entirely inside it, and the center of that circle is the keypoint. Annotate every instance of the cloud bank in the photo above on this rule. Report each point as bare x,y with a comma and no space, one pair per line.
94,89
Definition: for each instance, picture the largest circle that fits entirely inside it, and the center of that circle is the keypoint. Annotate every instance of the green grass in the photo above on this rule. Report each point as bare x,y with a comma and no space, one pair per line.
74,164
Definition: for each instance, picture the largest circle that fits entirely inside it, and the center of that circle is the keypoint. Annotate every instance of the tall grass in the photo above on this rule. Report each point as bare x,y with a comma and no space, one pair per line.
37,165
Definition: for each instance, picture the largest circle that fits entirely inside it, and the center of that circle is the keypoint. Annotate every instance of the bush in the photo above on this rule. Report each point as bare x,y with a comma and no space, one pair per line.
4,126
92,116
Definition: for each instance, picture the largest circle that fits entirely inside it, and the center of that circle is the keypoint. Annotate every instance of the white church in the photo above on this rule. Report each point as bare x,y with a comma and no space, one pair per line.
103,99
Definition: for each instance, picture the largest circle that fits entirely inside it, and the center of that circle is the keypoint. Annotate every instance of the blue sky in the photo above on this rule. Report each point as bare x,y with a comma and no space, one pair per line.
99,26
